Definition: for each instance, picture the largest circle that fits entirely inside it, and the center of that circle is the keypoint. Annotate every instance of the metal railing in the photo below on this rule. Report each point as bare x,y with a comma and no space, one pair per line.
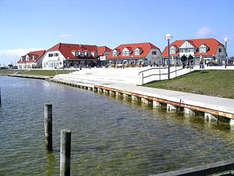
159,74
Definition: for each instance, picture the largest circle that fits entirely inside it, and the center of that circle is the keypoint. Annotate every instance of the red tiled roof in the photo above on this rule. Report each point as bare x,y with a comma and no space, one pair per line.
67,49
36,54
145,47
211,43
102,50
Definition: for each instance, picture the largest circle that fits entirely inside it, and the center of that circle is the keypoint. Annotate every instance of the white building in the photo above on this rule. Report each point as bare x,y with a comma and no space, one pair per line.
64,55
208,49
135,53
31,60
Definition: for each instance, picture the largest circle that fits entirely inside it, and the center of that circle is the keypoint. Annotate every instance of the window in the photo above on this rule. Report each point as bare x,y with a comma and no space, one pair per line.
125,52
137,51
27,58
95,54
115,53
82,53
154,52
56,54
50,55
88,53
106,53
220,50
202,48
76,53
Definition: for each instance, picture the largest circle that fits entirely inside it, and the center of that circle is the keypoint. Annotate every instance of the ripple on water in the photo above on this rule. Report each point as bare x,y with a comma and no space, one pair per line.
109,136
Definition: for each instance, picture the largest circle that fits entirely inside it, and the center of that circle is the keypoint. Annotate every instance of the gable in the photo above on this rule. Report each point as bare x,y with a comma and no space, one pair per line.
186,44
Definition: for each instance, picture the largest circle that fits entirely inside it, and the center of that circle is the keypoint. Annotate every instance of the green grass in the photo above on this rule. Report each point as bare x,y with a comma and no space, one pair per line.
207,82
36,72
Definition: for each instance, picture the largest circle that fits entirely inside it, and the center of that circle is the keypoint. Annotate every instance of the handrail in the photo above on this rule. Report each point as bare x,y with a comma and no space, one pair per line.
159,74
162,73
152,69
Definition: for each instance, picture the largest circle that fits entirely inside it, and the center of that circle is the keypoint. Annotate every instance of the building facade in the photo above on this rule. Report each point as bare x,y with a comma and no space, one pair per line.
31,60
207,49
135,54
64,55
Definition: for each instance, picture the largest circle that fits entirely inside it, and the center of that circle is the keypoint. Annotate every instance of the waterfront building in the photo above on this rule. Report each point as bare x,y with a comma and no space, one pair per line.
31,60
64,55
135,54
103,52
207,49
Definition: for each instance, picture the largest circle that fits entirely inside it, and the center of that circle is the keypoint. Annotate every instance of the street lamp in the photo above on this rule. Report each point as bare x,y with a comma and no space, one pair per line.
226,40
168,38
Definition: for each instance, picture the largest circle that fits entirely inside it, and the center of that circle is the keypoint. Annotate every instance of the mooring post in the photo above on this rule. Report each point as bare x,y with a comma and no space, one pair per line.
65,152
0,97
48,126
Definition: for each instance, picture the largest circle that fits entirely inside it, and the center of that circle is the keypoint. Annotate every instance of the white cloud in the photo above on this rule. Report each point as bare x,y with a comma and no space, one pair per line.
204,32
65,35
12,55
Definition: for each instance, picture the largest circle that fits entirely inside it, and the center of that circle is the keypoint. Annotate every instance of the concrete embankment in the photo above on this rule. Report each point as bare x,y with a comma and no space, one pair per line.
30,76
212,108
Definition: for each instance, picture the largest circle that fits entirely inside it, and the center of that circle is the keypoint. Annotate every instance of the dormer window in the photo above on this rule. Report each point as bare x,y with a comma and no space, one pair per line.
88,53
33,57
137,51
106,53
76,53
126,52
203,48
115,53
173,50
82,53
27,58
95,54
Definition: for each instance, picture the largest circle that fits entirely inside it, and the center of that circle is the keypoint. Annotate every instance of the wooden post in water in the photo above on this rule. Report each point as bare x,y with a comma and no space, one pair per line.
48,126
0,97
65,152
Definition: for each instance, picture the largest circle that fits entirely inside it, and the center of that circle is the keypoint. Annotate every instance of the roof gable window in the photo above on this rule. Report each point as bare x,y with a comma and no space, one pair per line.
27,58
186,44
154,53
126,52
82,53
172,50
88,53
137,51
203,48
106,53
115,52
76,53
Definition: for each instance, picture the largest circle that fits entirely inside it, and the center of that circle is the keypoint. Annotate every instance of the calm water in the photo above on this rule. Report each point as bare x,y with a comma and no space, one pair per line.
109,136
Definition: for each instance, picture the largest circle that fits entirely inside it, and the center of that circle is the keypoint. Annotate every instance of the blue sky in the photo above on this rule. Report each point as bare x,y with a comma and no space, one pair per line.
29,24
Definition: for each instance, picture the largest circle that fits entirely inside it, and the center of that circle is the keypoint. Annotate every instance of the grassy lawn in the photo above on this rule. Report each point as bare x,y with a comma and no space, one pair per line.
36,72
207,82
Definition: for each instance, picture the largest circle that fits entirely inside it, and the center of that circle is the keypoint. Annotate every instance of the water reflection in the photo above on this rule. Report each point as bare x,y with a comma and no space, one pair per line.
110,135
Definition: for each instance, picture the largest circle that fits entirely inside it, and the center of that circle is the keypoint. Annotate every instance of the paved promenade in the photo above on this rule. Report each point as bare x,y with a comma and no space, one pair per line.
210,102
118,80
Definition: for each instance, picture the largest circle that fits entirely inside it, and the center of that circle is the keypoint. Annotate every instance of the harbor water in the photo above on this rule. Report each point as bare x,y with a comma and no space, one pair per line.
110,136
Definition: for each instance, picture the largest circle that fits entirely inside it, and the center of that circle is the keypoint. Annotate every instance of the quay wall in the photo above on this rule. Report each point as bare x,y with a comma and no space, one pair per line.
173,104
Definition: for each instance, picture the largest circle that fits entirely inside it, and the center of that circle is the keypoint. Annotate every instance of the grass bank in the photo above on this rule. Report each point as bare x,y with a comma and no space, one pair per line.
207,82
36,72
